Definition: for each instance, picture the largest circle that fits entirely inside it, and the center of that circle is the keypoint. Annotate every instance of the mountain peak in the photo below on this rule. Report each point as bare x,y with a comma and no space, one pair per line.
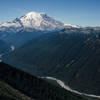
33,21
32,13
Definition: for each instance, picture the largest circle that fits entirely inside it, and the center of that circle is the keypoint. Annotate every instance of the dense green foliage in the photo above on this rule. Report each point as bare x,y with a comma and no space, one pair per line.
31,86
73,58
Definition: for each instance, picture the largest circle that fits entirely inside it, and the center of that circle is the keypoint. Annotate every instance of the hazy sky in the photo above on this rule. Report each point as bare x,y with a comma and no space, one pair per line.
80,12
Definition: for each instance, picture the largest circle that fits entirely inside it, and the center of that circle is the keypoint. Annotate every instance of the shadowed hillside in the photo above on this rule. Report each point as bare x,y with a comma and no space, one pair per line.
74,58
30,85
9,93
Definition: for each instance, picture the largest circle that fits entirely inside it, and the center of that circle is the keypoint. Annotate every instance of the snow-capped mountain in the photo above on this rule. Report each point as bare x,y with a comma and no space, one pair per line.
72,26
32,21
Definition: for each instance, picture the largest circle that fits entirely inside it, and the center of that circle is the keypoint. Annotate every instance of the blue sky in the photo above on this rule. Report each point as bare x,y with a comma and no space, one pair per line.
80,12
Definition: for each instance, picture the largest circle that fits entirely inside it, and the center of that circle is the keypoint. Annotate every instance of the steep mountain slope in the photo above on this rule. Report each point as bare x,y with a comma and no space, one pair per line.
73,58
9,93
21,38
4,47
32,86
